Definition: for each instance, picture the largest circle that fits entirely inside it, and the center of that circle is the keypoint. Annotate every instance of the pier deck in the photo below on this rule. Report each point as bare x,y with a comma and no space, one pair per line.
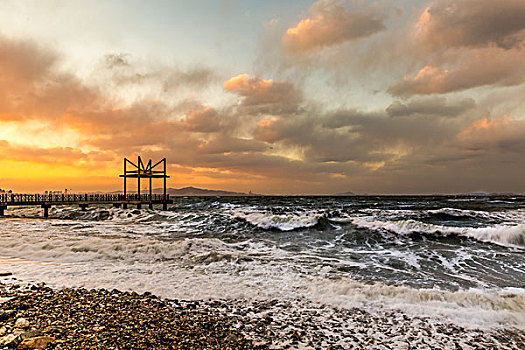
82,200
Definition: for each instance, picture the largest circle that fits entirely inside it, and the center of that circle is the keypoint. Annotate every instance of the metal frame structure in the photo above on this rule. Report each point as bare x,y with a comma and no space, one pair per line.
141,170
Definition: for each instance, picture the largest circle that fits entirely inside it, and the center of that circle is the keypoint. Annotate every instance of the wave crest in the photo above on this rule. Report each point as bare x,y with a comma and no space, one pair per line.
506,235
281,222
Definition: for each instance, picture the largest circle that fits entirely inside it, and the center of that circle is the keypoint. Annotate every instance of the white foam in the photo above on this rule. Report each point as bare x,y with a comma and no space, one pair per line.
281,222
61,254
514,216
506,235
469,308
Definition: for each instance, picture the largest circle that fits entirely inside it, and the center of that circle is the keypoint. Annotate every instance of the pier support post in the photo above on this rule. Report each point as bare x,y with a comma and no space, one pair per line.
125,206
46,209
116,205
139,206
2,208
164,206
150,205
83,206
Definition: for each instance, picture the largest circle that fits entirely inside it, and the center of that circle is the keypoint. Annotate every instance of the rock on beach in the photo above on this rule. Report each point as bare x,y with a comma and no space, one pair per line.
38,343
22,323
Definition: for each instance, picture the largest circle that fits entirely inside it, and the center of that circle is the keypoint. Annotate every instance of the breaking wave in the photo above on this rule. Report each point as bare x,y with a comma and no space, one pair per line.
505,235
281,222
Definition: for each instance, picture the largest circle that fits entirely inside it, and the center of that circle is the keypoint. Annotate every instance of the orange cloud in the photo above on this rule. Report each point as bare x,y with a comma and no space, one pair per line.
268,129
494,134
428,80
266,122
331,24
491,66
230,145
202,120
486,125
246,86
264,96
63,155
457,23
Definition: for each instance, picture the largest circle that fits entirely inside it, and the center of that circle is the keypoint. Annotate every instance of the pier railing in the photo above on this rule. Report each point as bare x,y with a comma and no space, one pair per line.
78,198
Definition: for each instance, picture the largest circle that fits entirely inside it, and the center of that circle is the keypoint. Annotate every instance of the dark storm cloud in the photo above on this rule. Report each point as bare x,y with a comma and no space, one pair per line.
437,106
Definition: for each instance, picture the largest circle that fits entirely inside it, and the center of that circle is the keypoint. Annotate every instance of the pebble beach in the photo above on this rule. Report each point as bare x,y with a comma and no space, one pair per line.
39,317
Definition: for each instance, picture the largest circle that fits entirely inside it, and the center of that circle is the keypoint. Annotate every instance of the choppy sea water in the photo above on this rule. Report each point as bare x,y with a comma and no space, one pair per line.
459,259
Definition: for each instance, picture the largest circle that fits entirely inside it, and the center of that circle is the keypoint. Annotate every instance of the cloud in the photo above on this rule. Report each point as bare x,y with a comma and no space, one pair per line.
31,86
438,106
114,121
225,144
494,135
25,61
125,71
268,132
264,96
482,68
202,120
330,24
472,23
465,44
59,155
268,129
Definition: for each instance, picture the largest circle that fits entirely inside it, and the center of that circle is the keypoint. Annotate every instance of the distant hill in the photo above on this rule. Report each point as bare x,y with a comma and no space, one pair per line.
192,191
349,193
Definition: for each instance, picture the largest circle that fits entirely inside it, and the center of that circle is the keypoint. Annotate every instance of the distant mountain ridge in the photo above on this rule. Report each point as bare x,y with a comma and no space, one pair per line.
194,191
349,193
191,191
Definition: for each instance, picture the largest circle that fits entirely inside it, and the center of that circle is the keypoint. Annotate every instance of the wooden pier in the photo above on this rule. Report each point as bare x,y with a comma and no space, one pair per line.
82,200
138,171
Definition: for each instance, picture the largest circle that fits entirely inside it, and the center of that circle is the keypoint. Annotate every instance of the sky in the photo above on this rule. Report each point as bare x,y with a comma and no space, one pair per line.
274,97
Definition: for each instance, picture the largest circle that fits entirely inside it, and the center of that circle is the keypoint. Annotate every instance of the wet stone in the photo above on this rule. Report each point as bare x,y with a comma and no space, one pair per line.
38,343
22,323
9,341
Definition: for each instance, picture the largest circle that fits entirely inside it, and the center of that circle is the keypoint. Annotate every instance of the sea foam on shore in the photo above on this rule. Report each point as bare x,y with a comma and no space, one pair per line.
94,319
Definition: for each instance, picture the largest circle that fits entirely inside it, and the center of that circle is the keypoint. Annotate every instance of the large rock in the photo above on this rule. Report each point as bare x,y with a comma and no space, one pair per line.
9,340
22,323
38,343
31,333
6,314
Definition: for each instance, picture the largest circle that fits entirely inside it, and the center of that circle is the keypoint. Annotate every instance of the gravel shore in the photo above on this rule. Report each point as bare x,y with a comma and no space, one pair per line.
39,317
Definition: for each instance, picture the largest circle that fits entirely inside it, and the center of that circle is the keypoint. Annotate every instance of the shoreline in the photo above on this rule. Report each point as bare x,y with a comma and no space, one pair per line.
112,319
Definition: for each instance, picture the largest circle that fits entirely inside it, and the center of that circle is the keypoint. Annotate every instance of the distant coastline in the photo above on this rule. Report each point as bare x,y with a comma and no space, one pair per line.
194,191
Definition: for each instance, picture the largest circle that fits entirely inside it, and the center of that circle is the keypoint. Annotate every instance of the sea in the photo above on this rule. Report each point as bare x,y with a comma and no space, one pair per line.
458,259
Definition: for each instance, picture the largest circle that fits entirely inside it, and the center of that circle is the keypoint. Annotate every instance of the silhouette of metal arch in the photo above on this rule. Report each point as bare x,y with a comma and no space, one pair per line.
145,171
